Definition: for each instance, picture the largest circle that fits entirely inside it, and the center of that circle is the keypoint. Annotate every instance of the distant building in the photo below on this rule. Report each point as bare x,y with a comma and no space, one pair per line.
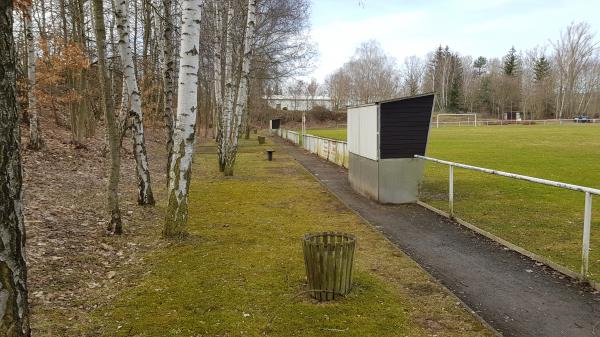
298,103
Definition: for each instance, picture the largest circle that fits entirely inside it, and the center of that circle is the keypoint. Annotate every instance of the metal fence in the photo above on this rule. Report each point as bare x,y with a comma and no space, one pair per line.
587,212
489,122
335,151
292,136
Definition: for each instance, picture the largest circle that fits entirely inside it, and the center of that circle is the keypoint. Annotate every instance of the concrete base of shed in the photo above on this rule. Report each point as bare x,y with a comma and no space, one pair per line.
388,181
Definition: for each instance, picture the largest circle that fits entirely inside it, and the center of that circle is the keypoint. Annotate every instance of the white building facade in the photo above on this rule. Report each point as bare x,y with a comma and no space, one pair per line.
298,103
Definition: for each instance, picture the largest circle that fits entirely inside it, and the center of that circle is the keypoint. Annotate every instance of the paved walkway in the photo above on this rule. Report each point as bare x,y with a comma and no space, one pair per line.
512,293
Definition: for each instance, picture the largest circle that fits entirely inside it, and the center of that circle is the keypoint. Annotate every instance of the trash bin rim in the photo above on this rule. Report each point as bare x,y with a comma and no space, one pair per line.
350,238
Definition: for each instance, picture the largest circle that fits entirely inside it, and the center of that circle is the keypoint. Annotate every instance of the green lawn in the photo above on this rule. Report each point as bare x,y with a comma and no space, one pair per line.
339,134
542,219
242,272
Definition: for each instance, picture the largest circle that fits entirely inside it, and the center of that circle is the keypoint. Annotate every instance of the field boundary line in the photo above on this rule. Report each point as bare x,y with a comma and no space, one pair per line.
557,267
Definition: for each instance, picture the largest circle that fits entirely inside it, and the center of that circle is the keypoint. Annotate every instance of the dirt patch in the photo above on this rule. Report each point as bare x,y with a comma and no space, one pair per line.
74,263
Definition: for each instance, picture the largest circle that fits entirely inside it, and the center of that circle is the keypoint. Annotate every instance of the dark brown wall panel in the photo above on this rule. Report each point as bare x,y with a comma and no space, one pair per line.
404,126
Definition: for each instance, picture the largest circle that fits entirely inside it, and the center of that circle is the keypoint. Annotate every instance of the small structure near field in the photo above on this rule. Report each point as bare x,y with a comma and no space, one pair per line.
274,124
383,139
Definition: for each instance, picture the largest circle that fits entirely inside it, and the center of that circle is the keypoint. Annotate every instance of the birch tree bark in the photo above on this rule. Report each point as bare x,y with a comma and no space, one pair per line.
242,94
35,139
123,120
168,78
227,113
180,170
145,196
218,79
112,134
14,311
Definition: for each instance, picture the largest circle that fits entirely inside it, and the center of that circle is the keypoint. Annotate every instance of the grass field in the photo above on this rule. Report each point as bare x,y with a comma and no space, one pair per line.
542,219
339,134
242,271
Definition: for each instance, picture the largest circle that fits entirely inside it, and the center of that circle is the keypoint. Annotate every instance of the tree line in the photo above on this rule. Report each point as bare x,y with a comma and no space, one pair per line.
188,66
559,80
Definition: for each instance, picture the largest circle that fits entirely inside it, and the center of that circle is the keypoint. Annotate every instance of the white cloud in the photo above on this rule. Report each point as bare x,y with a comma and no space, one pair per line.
470,27
337,40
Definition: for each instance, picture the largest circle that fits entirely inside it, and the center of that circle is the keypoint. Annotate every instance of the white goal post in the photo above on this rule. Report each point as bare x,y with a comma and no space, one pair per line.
469,115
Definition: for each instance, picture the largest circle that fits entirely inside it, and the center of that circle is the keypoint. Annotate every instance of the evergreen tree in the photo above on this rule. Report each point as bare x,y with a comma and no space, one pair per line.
511,63
455,94
541,68
479,64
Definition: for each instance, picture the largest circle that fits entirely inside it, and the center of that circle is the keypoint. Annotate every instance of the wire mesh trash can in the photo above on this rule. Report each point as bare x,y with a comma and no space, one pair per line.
328,259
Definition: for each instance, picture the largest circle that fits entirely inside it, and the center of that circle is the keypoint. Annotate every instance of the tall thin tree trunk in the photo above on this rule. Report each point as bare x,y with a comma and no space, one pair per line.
112,194
123,120
242,95
218,79
14,310
35,139
227,114
145,196
168,78
187,107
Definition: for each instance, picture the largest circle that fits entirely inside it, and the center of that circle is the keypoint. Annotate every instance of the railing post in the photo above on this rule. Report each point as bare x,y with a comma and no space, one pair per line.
451,190
587,224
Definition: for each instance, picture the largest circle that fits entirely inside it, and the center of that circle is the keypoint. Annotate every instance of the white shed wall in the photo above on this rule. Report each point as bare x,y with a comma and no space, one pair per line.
362,131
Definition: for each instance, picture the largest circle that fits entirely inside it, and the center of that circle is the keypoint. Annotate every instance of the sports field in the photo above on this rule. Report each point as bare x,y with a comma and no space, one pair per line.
542,219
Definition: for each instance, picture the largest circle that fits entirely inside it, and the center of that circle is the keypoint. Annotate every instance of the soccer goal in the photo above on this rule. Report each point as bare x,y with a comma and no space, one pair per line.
462,119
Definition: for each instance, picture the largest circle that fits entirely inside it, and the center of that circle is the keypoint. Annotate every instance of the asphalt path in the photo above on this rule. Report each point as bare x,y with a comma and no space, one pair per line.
512,293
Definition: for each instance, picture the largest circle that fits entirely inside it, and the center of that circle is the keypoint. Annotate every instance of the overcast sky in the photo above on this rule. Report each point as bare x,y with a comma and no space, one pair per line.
471,27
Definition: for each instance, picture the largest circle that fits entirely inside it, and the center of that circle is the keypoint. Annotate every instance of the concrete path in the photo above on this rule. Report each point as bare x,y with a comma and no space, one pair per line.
512,293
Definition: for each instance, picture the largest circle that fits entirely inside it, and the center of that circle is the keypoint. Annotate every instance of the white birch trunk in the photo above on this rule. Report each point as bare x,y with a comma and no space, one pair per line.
35,139
185,125
123,112
242,96
225,128
168,78
218,80
145,196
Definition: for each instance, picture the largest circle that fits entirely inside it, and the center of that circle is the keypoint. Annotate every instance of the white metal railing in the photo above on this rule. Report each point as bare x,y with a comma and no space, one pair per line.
587,213
488,122
333,150
292,136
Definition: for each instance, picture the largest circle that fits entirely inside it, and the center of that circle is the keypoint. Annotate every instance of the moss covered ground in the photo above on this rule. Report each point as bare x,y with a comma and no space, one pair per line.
241,271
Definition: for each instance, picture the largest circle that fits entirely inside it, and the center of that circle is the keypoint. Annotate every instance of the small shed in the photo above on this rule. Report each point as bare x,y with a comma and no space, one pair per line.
383,138
274,124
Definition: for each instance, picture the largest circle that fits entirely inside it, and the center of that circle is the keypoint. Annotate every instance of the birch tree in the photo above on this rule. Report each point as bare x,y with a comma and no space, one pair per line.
180,170
145,196
168,76
35,139
112,135
14,311
218,79
227,113
242,92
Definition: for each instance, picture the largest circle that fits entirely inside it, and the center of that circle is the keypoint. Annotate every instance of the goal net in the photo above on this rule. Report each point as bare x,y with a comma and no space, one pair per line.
462,119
